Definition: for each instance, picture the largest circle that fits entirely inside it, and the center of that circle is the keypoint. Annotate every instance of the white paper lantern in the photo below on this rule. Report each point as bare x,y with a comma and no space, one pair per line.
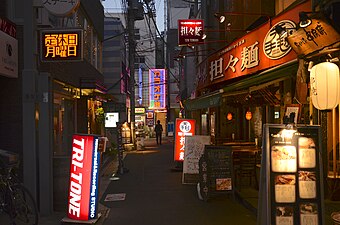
325,85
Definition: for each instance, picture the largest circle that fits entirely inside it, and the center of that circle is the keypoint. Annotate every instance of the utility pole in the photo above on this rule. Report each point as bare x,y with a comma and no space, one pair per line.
132,4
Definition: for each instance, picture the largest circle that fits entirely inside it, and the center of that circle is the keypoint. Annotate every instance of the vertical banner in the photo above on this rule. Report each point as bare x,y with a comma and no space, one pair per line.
184,127
157,89
84,170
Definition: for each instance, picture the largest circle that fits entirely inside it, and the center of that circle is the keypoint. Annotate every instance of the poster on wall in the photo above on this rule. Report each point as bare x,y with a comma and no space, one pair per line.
291,181
194,149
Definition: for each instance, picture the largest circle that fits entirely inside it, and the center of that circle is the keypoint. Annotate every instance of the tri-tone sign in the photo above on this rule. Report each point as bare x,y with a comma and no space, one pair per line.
157,89
61,45
184,128
83,188
190,32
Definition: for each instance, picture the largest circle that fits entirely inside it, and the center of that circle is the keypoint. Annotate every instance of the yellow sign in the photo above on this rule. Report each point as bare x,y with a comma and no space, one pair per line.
315,37
61,45
139,110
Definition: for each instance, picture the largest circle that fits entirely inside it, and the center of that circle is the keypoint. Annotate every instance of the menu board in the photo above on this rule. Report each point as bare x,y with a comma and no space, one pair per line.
215,170
194,148
291,187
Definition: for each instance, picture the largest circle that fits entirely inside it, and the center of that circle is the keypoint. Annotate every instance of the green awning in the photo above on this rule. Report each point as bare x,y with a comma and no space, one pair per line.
203,102
280,72
275,74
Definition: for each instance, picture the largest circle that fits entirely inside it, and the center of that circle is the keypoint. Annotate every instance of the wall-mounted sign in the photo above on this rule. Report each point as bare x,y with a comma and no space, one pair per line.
150,122
84,170
274,46
8,49
111,119
139,110
190,32
184,127
157,89
61,7
316,36
61,45
254,52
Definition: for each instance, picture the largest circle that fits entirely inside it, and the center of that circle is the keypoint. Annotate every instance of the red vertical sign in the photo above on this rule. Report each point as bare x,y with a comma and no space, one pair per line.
82,199
184,127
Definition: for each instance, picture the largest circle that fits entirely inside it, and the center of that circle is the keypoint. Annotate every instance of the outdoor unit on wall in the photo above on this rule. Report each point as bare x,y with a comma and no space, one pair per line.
325,85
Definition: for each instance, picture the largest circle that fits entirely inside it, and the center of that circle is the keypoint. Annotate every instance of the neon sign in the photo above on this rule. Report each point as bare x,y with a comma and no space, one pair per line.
157,88
61,45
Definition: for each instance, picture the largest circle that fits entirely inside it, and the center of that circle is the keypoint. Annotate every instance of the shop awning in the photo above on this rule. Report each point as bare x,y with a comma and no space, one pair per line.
207,101
252,83
265,78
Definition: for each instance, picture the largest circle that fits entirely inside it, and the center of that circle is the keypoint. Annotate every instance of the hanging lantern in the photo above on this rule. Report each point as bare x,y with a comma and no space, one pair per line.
229,116
249,115
325,85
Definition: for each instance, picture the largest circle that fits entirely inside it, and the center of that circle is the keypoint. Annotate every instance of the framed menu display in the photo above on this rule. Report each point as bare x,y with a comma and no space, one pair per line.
291,184
215,171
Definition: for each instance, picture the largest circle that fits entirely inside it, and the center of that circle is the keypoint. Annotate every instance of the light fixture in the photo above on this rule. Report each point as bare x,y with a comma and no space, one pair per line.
280,31
204,36
325,85
283,31
305,21
288,132
229,116
249,115
220,17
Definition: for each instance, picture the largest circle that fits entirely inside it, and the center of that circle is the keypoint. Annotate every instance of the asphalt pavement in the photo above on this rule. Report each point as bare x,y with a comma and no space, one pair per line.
152,193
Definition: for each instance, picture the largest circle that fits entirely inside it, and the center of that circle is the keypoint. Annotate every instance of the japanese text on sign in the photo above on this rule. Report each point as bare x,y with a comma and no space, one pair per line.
249,59
61,46
190,32
184,127
157,89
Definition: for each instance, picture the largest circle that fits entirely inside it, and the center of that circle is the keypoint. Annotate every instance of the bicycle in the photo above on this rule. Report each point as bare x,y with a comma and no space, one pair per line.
15,199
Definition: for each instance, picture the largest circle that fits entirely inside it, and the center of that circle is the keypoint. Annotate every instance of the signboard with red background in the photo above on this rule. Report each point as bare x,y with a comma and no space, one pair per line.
184,127
83,188
190,32
256,51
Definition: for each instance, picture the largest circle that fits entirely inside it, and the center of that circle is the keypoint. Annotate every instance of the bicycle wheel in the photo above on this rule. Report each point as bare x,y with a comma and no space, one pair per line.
24,209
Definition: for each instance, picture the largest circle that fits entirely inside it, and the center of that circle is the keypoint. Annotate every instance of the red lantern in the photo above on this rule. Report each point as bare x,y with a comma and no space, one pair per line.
229,116
249,115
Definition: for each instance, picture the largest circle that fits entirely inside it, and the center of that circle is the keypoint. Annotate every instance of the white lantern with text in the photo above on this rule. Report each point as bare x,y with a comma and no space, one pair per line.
325,85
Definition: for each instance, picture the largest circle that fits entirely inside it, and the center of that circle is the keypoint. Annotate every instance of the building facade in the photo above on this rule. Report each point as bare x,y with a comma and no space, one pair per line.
258,76
51,99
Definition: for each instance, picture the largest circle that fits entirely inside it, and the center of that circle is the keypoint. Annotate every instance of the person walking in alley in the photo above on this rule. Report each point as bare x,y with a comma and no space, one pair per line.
159,130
